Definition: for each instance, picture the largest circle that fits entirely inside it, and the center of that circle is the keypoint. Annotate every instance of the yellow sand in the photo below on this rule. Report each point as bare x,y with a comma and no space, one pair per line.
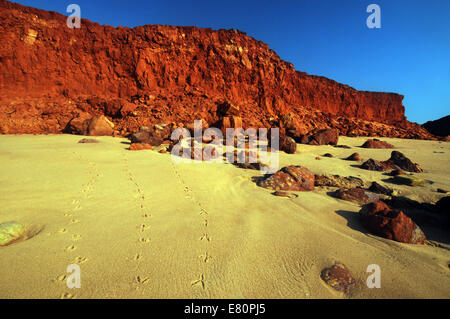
140,226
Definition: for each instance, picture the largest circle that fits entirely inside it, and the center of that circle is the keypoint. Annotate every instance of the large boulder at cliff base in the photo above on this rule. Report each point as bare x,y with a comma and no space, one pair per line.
321,137
99,126
147,135
383,221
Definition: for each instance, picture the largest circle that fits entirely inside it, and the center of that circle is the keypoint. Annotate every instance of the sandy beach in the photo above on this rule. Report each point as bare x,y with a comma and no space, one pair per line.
140,226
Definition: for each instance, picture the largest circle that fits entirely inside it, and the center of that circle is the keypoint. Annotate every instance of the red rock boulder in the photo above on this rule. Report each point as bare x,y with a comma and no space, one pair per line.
399,160
290,178
374,143
383,221
99,126
356,195
140,147
321,137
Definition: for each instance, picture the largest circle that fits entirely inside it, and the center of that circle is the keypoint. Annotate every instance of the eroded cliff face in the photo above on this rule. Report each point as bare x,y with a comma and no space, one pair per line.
49,73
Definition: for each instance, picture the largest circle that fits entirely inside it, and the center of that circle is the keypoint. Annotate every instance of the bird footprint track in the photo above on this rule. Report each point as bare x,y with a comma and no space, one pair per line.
205,237
139,197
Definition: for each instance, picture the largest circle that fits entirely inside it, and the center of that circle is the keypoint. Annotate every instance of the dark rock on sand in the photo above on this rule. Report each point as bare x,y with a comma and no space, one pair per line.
375,143
374,165
402,162
356,195
288,145
328,155
354,157
290,178
382,220
338,181
339,278
379,189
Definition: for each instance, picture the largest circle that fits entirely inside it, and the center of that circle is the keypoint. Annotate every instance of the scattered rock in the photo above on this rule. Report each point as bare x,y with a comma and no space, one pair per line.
409,180
287,144
339,278
354,157
375,143
356,195
290,178
147,136
379,189
140,147
321,137
10,232
342,146
285,194
338,181
443,191
78,124
328,155
88,140
374,165
318,158
402,162
382,220
99,126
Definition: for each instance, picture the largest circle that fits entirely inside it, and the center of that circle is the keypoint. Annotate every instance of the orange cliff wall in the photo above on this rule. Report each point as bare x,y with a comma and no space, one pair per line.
41,57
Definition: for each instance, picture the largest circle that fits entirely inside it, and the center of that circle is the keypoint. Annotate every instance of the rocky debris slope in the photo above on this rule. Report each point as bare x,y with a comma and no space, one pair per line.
50,74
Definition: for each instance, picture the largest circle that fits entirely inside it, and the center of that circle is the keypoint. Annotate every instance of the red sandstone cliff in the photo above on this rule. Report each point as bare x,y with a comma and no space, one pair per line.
49,73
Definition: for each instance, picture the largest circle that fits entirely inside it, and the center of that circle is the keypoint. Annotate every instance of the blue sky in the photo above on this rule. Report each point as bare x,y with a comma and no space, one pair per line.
409,55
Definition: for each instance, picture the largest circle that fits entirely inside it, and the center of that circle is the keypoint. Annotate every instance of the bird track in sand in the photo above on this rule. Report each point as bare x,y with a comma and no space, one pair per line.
138,281
205,237
74,217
